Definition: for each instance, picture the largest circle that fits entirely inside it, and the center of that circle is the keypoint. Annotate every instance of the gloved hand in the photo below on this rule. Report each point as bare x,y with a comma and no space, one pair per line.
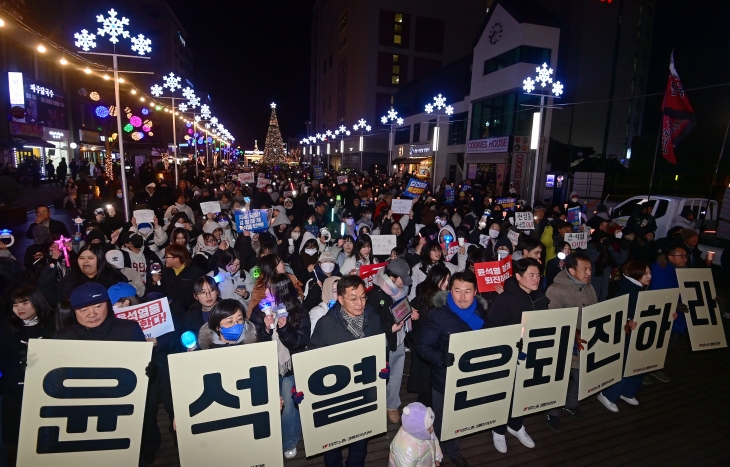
150,370
682,308
385,372
447,359
297,397
520,355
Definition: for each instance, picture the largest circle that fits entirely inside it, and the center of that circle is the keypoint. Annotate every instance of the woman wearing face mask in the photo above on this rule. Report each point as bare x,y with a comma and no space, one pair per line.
419,379
153,234
303,263
431,255
226,326
233,281
229,233
362,253
497,214
205,249
32,318
486,234
325,268
279,225
293,240
329,298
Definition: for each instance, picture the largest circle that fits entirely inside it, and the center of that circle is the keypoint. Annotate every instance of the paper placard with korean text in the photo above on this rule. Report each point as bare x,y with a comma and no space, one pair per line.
153,317
144,216
383,244
402,206
493,273
368,272
524,221
704,320
210,206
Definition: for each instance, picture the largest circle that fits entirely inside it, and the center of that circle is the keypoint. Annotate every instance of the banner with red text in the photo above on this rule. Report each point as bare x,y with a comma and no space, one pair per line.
153,317
493,273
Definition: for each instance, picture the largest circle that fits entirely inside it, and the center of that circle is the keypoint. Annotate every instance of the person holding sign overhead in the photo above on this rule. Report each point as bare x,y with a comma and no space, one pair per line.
522,293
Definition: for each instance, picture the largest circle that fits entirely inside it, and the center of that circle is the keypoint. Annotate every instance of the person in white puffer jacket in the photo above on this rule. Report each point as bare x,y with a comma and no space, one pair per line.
233,281
415,444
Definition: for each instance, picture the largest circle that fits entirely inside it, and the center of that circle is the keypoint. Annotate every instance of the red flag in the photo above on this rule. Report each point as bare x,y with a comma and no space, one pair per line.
678,117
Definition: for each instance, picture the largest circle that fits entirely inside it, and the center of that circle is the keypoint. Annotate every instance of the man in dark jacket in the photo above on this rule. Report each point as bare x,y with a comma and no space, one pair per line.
43,216
347,320
463,311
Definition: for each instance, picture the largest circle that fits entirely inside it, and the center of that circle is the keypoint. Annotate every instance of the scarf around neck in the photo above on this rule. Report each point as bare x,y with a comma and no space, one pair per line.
354,325
389,287
467,315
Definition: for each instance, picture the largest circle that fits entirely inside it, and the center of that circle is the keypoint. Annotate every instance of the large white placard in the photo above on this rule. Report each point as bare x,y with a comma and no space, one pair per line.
542,377
524,221
83,403
601,361
402,206
153,317
344,399
479,385
210,206
262,182
245,177
142,216
382,244
227,403
577,240
704,321
649,341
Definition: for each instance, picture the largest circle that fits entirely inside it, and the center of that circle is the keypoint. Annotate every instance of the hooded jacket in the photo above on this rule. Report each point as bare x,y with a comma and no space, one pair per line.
209,339
566,292
227,284
313,289
327,296
407,450
507,307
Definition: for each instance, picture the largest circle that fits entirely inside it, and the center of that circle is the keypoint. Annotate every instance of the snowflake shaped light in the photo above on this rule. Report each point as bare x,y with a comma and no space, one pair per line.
399,121
205,111
544,75
193,101
156,90
440,101
383,119
429,108
141,44
557,88
319,137
172,82
112,26
342,128
528,85
187,92
84,40
328,133
214,120
392,114
368,128
183,107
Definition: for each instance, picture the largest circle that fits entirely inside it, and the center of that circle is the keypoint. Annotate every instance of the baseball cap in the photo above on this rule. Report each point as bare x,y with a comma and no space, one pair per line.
326,256
115,258
347,214
121,290
401,269
88,294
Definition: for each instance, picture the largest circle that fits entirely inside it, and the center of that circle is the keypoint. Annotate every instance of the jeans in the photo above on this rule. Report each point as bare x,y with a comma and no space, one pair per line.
355,456
449,448
392,389
571,398
291,426
628,386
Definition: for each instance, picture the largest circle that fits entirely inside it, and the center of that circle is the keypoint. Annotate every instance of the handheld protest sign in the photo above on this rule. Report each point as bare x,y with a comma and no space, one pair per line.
479,385
601,362
368,273
144,216
649,341
493,273
83,403
508,204
246,177
703,320
542,377
227,403
251,220
402,206
153,317
262,182
514,237
577,240
341,179
450,195
210,206
383,244
524,221
344,399
415,188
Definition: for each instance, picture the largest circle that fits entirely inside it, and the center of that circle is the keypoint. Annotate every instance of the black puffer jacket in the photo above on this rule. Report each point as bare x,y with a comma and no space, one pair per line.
331,329
508,306
439,326
112,329
294,338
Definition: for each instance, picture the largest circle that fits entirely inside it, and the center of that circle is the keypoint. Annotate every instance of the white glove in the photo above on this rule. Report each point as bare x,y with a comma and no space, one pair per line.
291,249
618,235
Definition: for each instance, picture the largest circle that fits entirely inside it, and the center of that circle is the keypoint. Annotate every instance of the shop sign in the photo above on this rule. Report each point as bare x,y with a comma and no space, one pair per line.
481,146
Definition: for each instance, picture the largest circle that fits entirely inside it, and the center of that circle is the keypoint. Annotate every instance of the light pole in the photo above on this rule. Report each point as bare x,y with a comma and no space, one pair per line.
361,125
395,120
544,77
114,27
172,83
342,131
439,103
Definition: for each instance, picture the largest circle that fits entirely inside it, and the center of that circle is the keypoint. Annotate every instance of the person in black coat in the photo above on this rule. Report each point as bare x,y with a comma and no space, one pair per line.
32,318
43,216
461,310
346,321
522,293
206,294
176,279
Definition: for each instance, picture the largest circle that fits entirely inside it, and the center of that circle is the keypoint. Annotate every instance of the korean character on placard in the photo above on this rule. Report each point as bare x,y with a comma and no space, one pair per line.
648,333
489,280
481,272
699,302
213,392
538,364
155,308
347,405
477,361
132,315
78,416
601,335
143,312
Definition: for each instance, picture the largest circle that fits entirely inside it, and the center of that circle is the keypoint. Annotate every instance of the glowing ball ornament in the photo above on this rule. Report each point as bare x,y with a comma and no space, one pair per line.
94,96
135,121
102,112
190,131
137,135
145,111
128,127
146,128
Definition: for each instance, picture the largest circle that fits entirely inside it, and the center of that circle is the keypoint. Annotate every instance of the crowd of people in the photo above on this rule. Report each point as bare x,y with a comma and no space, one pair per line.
222,284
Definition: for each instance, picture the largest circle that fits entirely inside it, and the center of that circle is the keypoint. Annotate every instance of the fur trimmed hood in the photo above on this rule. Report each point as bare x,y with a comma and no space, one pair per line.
439,300
208,338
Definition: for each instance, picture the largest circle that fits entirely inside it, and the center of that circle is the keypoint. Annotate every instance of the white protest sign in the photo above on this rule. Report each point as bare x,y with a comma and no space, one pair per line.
83,403
382,244
402,206
142,216
153,317
601,361
524,221
576,240
344,398
514,237
479,384
451,250
704,322
227,402
341,179
542,378
210,206
649,341
262,182
246,177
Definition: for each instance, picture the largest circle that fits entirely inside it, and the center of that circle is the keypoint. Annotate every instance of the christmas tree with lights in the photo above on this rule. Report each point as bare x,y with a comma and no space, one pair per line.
274,153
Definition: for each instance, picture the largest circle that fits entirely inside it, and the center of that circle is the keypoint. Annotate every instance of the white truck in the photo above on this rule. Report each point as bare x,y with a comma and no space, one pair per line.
665,208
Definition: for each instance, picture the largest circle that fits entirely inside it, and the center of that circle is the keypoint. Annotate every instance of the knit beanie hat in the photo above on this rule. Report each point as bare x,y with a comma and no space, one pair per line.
686,234
417,419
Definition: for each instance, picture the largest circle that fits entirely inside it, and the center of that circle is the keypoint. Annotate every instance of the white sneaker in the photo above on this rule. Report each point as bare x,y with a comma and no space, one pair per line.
607,403
500,442
523,437
291,454
630,400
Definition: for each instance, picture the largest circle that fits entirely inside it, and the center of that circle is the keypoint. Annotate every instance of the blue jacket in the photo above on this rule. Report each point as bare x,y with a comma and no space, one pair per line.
666,278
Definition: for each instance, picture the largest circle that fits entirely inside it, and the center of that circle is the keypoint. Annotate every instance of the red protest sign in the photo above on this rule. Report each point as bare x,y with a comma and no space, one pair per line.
368,273
493,273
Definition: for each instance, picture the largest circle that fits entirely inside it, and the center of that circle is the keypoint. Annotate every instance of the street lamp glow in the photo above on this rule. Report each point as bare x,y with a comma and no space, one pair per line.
41,48
63,61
